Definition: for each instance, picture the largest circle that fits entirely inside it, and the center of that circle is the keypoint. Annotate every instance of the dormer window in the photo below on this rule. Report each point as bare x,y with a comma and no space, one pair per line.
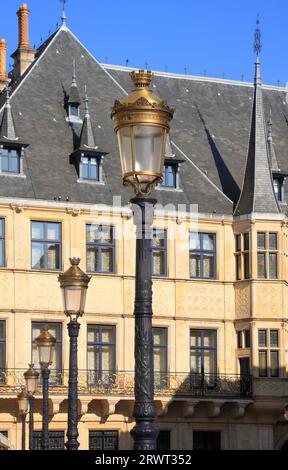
278,183
170,175
90,168
74,110
10,160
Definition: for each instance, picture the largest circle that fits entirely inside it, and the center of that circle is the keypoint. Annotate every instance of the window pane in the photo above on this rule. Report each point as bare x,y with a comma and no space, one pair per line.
246,266
274,342
14,163
107,358
53,232
262,338
159,237
106,260
195,265
84,170
208,266
108,334
262,364
37,230
239,339
2,255
53,256
2,330
38,261
208,242
2,223
74,110
93,359
247,338
93,172
238,267
274,363
261,265
158,263
195,361
93,334
273,241
246,241
195,338
273,265
91,258
160,337
160,360
209,362
194,241
261,241
238,242
2,358
209,339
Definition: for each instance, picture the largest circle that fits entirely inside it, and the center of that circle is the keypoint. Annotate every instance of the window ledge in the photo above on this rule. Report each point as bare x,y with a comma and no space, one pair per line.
101,183
74,119
166,188
13,175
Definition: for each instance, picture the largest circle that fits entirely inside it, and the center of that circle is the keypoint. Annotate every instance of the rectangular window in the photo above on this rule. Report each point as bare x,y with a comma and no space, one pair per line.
238,267
242,256
202,252
55,329
203,355
101,351
170,176
268,343
159,252
100,246
2,350
247,338
46,245
2,243
90,168
163,440
267,256
103,440
206,440
56,440
239,340
10,160
160,356
246,266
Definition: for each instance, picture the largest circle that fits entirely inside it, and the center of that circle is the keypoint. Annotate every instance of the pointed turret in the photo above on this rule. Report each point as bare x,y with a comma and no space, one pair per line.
87,139
273,160
257,192
7,128
74,96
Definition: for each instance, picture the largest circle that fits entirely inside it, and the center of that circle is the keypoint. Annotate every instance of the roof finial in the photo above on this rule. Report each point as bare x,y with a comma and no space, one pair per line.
257,38
270,123
8,91
86,101
63,17
74,73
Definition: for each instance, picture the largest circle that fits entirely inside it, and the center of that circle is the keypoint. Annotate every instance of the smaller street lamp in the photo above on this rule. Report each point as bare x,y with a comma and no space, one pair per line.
31,378
23,410
74,284
46,347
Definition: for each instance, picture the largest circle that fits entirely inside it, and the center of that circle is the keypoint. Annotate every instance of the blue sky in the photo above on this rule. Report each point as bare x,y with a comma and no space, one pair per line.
215,36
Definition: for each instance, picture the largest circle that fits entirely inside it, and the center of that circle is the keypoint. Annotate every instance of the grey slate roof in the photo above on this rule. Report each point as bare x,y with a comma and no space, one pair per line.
257,192
210,130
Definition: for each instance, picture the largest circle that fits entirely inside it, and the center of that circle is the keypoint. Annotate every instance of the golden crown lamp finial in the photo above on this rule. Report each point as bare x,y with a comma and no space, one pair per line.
142,78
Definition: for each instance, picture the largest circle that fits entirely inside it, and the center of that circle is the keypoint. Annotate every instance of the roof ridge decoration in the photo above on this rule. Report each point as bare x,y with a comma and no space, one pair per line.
87,139
273,159
7,127
258,193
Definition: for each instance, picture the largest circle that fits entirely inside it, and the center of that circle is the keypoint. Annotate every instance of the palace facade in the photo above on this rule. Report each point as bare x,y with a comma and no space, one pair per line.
220,247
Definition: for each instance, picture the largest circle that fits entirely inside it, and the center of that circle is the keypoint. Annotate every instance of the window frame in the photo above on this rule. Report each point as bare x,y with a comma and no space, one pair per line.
202,253
161,347
89,165
3,342
101,435
242,256
46,242
203,348
99,246
175,170
269,350
160,249
279,182
3,240
19,160
99,345
266,252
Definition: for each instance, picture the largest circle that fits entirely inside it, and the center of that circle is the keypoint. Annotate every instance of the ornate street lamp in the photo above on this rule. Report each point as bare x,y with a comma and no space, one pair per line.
23,410
31,378
74,283
142,122
46,347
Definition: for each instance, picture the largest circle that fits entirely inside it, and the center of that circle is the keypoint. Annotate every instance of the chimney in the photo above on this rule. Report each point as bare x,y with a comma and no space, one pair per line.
3,74
24,55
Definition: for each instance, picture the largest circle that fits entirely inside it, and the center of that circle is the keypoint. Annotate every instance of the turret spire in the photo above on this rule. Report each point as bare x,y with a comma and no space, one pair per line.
7,127
272,154
74,96
63,17
87,139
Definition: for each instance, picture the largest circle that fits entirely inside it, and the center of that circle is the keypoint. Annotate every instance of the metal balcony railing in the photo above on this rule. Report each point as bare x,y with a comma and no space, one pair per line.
121,383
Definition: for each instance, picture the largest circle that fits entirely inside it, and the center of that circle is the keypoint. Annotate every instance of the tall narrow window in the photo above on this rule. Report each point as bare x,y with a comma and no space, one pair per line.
203,356
160,357
2,349
74,110
170,175
101,344
46,245
268,344
278,184
2,243
202,252
55,329
267,255
159,252
10,160
90,168
100,248
242,256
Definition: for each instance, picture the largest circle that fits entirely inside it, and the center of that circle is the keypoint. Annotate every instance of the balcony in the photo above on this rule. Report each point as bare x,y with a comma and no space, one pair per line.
121,384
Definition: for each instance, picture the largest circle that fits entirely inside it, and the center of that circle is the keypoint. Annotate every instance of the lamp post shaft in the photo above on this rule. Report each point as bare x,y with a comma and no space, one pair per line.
23,420
72,432
145,431
45,423
31,422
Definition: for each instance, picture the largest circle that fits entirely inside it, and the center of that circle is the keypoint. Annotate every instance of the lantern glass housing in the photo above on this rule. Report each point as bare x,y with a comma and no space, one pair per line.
46,347
23,402
74,283
31,378
141,122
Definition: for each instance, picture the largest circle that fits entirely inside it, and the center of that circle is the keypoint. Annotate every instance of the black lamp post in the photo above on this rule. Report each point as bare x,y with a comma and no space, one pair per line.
142,124
74,283
23,410
31,378
46,347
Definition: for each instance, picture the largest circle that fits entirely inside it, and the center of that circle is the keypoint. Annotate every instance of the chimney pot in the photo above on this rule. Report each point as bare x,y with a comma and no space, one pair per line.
23,23
3,72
